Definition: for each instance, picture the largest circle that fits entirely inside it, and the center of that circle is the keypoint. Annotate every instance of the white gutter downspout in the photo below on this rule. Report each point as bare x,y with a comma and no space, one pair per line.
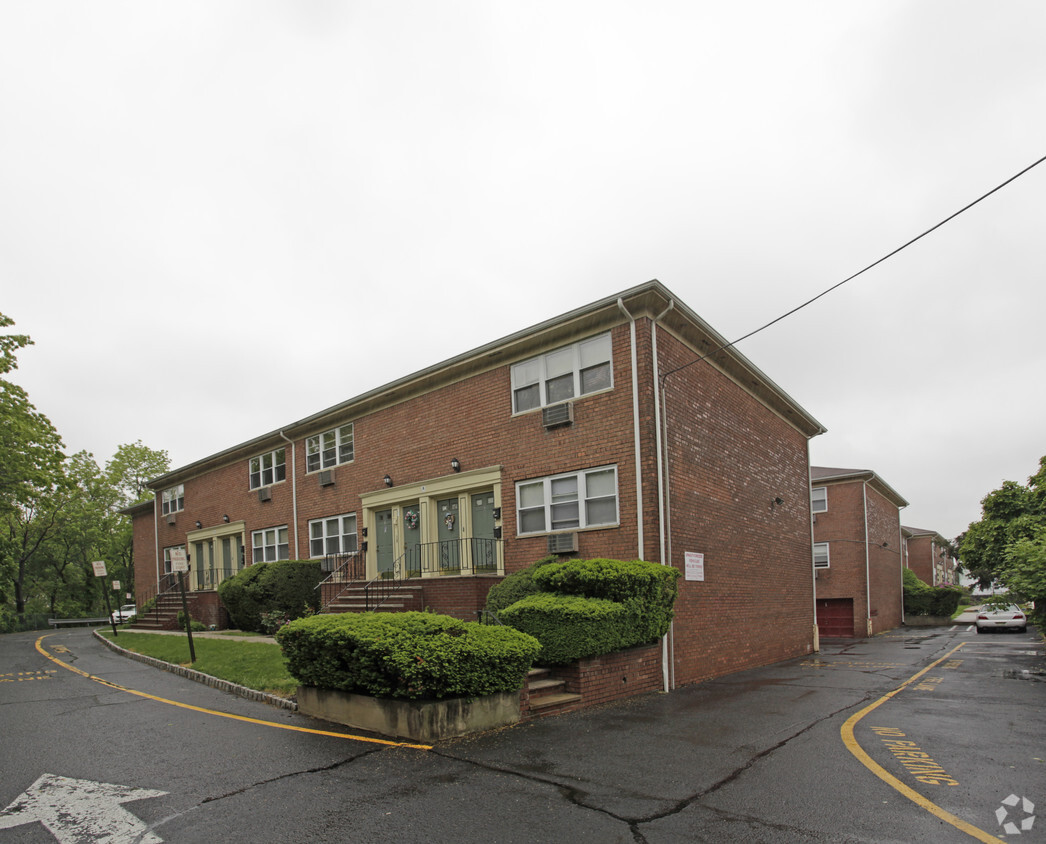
668,662
640,549
294,495
813,568
156,543
867,566
904,558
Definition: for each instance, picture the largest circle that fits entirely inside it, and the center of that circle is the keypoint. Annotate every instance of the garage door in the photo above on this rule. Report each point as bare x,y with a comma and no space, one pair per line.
835,617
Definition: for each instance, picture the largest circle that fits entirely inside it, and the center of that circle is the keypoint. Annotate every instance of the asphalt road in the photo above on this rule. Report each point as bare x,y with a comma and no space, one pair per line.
915,735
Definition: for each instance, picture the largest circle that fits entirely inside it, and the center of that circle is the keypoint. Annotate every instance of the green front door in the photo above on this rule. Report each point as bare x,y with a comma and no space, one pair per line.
412,540
384,543
449,533
484,547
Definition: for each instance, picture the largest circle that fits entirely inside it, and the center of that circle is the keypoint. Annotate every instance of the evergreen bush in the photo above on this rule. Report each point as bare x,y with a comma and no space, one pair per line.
410,655
570,627
922,599
632,601
515,586
288,587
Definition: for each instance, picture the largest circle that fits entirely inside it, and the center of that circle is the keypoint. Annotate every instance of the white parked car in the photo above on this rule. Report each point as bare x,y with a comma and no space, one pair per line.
125,613
1009,617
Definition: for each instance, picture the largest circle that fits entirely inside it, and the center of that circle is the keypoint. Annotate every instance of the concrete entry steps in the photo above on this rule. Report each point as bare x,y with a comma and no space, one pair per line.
354,599
547,694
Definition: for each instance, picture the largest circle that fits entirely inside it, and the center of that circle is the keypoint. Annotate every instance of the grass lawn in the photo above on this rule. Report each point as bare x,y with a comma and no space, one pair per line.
256,665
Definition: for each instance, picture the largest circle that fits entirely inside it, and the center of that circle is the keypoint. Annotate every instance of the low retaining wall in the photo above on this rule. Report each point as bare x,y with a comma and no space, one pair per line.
928,621
417,720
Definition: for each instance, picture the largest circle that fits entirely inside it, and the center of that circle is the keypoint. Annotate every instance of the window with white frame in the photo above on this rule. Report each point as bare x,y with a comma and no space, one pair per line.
268,468
557,376
564,502
167,557
270,545
821,555
329,449
333,535
173,499
819,499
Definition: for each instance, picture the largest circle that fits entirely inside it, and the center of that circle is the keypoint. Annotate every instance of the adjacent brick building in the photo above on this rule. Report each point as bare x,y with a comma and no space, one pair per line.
604,432
930,556
858,552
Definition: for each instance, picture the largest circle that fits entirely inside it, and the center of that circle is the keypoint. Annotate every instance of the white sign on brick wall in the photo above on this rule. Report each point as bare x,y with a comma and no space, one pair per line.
695,566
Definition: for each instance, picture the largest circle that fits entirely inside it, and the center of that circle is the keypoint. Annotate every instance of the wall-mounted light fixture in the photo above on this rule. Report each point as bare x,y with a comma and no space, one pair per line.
779,501
199,524
388,480
455,464
225,518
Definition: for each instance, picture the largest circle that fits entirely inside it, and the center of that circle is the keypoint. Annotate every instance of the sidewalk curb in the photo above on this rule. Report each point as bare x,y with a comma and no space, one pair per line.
200,677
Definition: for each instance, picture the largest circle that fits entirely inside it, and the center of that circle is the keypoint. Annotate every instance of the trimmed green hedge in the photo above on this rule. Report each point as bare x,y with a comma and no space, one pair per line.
412,655
590,607
922,599
515,586
570,627
288,587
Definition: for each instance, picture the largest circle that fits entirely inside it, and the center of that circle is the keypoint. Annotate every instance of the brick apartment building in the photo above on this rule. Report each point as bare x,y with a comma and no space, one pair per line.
598,433
858,552
929,555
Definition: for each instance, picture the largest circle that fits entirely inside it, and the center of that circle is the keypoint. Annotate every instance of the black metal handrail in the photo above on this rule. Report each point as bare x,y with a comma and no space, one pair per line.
467,556
452,556
168,583
343,569
208,579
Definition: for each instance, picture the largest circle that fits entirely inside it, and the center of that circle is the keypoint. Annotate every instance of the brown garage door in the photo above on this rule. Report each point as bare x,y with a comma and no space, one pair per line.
835,617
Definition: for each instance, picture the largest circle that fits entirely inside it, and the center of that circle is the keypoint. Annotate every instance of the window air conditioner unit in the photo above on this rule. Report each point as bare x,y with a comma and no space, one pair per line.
171,518
562,543
265,494
327,477
558,414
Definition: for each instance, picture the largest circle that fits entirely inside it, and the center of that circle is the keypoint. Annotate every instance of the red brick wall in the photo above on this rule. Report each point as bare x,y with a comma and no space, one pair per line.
843,527
415,440
603,679
884,563
920,557
730,457
144,552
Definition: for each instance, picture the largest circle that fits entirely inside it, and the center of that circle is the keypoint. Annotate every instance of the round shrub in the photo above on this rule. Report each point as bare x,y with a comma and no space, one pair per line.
408,655
571,628
288,587
515,586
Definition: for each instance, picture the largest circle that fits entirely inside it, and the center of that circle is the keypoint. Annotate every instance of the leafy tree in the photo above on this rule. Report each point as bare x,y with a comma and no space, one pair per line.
125,476
1008,545
31,460
130,470
58,514
30,448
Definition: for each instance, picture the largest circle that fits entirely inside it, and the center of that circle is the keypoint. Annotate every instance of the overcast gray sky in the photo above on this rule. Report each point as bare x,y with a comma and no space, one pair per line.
219,217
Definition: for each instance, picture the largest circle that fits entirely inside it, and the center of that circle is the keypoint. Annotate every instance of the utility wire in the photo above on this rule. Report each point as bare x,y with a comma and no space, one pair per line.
859,272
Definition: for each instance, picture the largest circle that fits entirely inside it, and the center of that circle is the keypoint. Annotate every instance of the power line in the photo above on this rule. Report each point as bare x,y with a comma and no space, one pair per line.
839,284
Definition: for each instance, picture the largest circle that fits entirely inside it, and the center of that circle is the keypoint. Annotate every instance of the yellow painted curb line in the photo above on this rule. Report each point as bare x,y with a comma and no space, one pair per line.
189,706
847,732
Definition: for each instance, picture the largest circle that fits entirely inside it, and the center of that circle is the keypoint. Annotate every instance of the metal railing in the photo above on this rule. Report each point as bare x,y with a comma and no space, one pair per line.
167,583
342,569
461,557
452,556
204,580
